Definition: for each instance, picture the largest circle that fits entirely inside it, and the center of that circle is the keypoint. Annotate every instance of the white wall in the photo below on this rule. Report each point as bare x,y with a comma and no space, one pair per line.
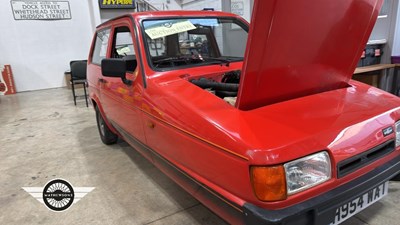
164,5
39,51
107,14
94,10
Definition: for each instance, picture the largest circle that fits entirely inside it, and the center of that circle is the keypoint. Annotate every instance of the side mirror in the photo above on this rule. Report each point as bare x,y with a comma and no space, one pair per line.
115,68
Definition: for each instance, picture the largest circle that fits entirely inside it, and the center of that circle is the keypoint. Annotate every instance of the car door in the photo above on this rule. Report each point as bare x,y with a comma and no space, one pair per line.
121,101
98,53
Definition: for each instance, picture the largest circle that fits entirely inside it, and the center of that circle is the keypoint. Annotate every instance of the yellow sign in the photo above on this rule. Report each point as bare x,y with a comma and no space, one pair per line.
117,4
167,29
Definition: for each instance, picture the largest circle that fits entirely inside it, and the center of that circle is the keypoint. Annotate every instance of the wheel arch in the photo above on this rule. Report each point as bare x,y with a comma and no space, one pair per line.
97,104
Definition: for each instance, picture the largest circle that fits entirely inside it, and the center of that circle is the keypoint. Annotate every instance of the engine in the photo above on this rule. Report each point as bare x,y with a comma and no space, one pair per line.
226,89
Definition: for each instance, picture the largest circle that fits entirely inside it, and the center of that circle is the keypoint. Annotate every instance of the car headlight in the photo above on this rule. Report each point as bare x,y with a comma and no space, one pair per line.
307,172
397,127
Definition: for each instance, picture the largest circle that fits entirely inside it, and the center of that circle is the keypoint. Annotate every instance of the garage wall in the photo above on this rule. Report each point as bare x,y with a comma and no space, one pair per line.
166,4
107,14
385,28
396,44
201,4
39,51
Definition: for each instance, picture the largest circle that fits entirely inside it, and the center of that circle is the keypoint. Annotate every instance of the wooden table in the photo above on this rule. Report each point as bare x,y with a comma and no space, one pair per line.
382,74
377,67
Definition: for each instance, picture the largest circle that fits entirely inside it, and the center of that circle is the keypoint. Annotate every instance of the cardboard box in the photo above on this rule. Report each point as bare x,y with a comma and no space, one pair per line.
7,85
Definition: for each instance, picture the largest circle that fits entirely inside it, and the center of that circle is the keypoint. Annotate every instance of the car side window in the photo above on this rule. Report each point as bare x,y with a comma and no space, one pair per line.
100,48
123,47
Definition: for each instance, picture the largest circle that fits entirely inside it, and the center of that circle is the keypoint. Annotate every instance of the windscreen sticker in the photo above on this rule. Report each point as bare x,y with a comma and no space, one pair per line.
169,28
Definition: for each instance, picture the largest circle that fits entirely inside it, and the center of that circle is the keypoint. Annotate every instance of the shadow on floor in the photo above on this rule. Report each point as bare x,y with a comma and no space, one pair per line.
197,213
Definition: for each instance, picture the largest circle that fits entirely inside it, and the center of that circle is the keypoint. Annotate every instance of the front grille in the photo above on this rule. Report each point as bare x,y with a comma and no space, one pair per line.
352,164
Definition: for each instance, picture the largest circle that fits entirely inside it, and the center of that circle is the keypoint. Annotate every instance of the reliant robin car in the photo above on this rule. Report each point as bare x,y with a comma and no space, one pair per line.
261,123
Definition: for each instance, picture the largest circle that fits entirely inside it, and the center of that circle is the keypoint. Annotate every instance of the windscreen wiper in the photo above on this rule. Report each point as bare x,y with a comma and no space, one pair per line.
169,59
227,62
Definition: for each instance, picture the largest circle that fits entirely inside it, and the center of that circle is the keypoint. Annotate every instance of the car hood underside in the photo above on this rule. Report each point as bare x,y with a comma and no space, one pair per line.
293,53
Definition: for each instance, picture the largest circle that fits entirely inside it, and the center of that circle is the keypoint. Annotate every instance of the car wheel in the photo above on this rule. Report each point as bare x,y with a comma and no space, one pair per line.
106,135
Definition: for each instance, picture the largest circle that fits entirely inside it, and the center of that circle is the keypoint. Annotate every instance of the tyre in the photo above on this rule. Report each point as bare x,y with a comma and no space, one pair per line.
106,135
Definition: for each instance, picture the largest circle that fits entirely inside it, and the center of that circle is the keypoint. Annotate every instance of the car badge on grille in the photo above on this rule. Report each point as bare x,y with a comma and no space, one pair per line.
387,131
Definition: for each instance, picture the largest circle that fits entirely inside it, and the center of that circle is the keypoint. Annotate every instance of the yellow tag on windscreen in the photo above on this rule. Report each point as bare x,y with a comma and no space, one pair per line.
169,29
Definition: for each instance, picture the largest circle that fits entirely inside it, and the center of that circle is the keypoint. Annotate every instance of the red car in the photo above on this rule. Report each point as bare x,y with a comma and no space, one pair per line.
272,132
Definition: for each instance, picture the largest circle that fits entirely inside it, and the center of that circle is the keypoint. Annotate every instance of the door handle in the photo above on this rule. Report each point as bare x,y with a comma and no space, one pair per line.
101,80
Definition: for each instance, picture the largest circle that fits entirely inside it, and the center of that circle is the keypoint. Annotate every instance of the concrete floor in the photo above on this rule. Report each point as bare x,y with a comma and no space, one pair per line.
44,136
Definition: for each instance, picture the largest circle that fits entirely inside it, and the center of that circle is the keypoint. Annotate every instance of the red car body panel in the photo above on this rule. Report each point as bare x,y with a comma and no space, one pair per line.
214,143
315,52
340,124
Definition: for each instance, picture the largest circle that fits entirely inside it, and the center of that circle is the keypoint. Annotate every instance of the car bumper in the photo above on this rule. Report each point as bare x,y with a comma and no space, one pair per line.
322,209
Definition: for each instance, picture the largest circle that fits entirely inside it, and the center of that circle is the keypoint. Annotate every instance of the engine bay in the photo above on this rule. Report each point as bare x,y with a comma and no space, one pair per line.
225,87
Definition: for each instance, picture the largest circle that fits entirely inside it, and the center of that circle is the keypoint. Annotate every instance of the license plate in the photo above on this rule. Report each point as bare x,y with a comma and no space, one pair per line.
354,206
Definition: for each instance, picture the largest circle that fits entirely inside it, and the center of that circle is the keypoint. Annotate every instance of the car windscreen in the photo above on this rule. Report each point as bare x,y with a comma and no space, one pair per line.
190,42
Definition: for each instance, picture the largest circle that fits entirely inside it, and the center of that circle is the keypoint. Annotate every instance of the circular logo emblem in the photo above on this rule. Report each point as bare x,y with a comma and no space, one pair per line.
168,25
58,195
